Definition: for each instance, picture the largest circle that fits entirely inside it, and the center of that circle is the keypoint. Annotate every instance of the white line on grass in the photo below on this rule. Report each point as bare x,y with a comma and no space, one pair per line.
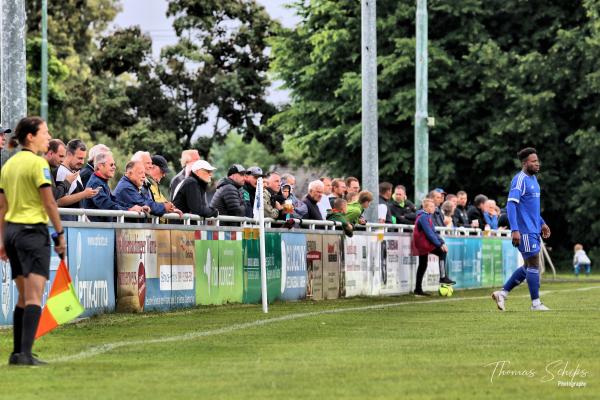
97,350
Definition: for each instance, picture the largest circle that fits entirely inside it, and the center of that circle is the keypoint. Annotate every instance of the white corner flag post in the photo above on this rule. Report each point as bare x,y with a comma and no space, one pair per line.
259,217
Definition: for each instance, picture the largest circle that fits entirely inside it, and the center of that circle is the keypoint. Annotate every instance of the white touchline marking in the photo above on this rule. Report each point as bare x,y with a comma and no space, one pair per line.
104,348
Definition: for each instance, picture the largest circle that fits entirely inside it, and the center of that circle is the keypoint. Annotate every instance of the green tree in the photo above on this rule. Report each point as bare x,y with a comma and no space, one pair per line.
218,69
502,75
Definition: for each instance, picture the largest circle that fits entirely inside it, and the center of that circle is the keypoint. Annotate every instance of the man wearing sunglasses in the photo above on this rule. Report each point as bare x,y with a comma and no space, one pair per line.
104,166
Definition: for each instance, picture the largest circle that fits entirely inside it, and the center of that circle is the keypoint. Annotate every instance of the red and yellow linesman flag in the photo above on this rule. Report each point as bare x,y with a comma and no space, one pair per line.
62,305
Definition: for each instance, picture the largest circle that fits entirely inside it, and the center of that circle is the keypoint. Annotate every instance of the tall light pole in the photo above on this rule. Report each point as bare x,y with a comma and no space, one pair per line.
421,120
370,152
13,92
44,92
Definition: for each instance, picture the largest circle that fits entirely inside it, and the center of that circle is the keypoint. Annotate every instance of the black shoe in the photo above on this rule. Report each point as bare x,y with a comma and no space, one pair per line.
419,292
12,360
447,281
28,359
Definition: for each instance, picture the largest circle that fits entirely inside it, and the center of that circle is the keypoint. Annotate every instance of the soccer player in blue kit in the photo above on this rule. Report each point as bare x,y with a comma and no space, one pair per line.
526,223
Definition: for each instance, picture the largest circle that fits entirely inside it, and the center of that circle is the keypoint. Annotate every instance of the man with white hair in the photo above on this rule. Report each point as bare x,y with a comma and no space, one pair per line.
146,159
315,192
188,158
87,171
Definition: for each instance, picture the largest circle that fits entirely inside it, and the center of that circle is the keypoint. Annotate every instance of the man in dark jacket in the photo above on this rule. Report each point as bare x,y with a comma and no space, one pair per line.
383,211
461,217
402,210
437,195
228,199
129,189
191,196
315,192
88,170
475,212
249,189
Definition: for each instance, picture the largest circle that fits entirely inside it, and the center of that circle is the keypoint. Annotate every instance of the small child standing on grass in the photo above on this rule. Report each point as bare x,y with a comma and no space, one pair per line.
581,260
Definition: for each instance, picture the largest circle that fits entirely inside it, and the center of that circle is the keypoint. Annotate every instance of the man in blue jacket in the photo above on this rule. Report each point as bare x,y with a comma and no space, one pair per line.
129,189
104,166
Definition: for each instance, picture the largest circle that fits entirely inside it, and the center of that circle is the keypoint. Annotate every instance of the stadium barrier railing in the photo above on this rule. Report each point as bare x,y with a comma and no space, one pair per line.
140,263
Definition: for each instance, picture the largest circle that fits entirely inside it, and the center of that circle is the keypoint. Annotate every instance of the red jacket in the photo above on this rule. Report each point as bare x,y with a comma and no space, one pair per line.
421,245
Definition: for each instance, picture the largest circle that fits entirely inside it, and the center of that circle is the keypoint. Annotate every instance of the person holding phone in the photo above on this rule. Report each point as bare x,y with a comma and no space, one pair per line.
26,204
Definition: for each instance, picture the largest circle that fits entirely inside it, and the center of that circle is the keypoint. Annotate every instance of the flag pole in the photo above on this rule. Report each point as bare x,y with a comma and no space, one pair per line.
259,216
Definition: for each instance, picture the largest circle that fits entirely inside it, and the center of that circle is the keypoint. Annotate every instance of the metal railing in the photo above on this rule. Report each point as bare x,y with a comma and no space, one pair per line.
83,215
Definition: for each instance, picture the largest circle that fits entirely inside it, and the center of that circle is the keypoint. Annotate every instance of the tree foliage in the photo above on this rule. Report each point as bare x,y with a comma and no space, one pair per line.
502,75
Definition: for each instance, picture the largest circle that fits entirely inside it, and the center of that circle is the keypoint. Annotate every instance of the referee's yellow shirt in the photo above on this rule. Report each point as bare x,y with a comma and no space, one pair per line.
22,176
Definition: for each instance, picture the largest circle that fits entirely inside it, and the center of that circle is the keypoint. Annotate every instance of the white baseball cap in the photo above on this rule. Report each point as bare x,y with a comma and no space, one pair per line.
202,164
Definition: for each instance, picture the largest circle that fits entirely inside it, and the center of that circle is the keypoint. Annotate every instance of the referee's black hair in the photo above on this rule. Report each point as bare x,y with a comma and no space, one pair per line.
526,152
25,126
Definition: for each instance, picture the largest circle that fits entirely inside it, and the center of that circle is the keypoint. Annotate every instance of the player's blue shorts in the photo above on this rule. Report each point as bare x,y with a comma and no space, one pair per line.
530,245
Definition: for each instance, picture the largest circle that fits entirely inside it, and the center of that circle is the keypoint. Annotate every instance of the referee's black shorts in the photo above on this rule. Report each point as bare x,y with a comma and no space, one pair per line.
28,249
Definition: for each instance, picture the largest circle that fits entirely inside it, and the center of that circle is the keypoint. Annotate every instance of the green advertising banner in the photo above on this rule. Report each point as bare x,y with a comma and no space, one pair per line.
273,255
251,262
207,272
231,288
492,268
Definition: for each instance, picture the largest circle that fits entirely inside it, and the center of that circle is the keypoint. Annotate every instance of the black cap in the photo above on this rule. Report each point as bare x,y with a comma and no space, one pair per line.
161,163
236,169
3,131
255,171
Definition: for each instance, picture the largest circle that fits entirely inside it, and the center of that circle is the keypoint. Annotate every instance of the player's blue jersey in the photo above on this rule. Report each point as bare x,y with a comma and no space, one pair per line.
525,192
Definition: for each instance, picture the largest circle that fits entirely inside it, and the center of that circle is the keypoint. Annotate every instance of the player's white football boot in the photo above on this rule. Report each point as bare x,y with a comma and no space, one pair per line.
539,307
499,299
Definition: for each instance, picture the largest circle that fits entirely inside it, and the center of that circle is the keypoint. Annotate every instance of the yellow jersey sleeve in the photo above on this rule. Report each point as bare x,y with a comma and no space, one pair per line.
41,173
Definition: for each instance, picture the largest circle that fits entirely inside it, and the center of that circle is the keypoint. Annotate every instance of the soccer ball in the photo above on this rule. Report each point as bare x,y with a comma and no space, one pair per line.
446,290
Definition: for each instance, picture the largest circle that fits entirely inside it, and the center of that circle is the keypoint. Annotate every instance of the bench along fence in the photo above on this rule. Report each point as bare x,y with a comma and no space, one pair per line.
147,265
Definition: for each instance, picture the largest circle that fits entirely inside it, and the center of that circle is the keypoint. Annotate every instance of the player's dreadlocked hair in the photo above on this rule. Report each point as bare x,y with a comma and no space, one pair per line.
526,152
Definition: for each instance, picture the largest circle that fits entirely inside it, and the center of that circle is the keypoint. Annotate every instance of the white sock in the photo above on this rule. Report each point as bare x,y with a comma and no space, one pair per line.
536,302
504,293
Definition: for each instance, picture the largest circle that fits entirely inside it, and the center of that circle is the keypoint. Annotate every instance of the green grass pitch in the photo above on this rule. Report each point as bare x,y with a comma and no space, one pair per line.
362,348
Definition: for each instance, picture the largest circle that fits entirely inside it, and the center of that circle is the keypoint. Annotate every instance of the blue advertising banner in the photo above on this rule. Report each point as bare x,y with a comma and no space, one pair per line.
92,268
510,258
293,266
472,263
454,259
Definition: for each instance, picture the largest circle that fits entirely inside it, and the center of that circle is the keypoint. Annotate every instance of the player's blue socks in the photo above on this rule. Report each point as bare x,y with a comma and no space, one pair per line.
533,281
516,278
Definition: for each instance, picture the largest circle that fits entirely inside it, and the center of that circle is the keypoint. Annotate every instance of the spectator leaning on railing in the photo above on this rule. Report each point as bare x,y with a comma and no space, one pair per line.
402,210
437,195
191,196
357,207
249,189
228,199
299,206
55,155
338,214
74,160
105,167
475,212
338,190
383,212
315,192
88,170
188,158
129,189
271,205
324,204
460,217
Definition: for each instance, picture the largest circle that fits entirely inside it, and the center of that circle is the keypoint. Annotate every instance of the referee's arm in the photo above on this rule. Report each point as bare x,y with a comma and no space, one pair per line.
3,209
49,204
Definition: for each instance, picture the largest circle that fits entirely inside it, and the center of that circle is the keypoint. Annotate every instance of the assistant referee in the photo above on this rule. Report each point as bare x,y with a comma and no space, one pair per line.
26,202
